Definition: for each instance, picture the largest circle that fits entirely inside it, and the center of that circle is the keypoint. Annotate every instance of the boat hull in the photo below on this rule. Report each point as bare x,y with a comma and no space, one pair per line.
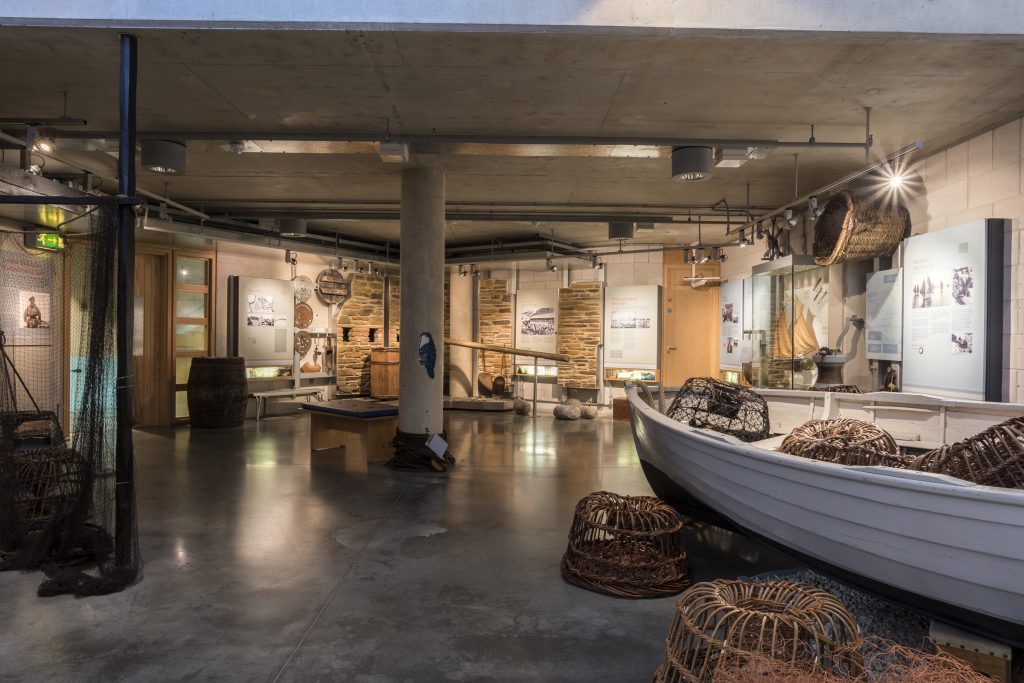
941,546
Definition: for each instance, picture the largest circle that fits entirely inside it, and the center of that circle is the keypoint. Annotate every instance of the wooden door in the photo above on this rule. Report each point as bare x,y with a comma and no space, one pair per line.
152,372
690,337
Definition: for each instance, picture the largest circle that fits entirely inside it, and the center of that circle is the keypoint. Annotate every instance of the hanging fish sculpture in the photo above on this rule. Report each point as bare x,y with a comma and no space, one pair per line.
428,353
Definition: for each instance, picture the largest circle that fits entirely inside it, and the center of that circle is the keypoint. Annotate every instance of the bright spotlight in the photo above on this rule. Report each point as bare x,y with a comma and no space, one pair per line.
896,182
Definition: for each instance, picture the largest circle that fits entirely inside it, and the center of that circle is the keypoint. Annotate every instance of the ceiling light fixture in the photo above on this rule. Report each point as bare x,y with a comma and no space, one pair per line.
394,152
462,271
692,163
360,267
473,270
294,227
790,218
45,144
551,266
164,156
344,266
704,258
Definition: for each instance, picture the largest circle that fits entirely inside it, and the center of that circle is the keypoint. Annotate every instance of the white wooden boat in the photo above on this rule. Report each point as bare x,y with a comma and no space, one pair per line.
943,546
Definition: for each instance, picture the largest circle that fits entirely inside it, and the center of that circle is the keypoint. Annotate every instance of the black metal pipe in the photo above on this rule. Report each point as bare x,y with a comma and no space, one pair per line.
124,462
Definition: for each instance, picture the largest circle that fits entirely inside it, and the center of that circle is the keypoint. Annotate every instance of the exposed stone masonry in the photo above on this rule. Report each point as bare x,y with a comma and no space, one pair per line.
579,334
495,325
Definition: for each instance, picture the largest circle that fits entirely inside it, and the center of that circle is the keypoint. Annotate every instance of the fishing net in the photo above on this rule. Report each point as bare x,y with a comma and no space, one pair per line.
59,495
722,407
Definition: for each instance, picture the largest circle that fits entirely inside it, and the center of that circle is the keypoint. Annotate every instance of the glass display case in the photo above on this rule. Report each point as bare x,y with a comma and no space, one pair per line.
789,324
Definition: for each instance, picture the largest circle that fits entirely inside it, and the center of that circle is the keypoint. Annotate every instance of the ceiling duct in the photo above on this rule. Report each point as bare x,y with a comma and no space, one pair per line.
645,227
164,156
394,152
620,230
294,227
692,163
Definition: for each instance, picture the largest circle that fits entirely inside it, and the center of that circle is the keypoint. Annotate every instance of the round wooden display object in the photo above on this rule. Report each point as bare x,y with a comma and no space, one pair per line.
303,316
720,623
626,546
845,442
332,287
303,288
302,343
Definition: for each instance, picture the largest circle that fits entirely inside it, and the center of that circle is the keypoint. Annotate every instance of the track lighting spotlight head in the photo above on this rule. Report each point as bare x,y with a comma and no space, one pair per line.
359,267
344,266
760,230
462,271
704,258
551,266
473,270
692,163
790,218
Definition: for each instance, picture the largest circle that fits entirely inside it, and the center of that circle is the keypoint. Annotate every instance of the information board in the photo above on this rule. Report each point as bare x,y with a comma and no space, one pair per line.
261,318
632,326
885,315
946,297
536,323
730,320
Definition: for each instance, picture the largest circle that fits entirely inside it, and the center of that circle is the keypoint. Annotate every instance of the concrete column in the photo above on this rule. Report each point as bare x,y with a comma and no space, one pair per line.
460,365
421,403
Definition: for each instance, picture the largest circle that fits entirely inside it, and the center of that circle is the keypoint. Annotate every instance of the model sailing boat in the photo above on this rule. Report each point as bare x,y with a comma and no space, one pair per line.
803,343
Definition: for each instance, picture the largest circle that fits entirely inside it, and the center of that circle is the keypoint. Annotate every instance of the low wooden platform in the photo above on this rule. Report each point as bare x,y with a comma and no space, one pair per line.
363,427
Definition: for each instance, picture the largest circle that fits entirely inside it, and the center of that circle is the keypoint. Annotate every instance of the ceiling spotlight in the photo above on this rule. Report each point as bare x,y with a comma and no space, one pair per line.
704,258
293,227
344,266
551,265
164,156
377,270
45,145
760,231
692,163
473,270
360,267
743,237
718,254
462,271
790,218
815,209
896,181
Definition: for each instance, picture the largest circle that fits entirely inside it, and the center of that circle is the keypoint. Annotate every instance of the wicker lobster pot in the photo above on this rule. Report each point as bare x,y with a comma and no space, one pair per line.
844,441
852,228
994,457
721,622
626,546
40,486
723,407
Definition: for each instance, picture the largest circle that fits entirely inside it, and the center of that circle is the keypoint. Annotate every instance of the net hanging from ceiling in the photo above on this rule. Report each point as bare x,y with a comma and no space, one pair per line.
58,376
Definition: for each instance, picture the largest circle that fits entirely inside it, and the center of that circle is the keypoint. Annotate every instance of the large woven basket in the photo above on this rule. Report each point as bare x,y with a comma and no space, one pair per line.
626,546
846,442
995,457
853,228
721,622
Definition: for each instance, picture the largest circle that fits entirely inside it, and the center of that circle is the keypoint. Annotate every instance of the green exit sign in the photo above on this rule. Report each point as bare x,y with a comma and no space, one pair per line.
52,241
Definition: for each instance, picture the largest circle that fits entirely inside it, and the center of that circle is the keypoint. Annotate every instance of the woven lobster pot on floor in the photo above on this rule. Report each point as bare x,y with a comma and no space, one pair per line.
722,622
40,486
995,457
722,407
844,441
854,228
626,546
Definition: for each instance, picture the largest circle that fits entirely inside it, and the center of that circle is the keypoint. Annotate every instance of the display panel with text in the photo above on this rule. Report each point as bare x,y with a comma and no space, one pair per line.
632,326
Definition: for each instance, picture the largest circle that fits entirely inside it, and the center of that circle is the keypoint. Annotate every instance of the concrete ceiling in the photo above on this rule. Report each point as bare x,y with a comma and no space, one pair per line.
934,89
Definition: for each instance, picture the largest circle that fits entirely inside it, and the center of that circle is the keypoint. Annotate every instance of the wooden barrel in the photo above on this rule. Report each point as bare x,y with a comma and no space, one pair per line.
217,392
384,372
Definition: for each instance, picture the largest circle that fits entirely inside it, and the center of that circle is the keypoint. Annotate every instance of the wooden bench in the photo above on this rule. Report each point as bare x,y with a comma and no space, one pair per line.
262,396
365,428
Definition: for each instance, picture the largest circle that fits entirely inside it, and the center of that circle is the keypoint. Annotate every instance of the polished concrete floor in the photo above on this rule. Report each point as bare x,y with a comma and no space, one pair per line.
263,563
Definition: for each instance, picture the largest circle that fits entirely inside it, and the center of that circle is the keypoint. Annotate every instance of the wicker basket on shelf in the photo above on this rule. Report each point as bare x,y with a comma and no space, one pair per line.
626,546
994,457
854,228
720,623
844,441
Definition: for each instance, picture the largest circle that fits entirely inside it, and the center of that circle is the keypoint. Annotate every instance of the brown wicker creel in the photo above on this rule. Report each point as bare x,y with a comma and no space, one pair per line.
836,388
855,228
994,457
844,441
720,622
626,546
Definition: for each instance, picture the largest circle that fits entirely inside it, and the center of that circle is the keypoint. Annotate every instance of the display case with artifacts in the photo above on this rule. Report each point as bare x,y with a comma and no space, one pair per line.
790,322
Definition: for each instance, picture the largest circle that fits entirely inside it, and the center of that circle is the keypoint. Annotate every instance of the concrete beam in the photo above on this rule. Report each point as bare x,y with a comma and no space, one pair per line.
962,17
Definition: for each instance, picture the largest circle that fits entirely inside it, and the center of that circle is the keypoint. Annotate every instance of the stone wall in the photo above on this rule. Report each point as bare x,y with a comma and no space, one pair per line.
365,310
579,333
495,325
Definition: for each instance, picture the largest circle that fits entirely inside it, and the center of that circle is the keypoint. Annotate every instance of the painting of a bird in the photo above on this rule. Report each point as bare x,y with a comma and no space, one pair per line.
428,353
